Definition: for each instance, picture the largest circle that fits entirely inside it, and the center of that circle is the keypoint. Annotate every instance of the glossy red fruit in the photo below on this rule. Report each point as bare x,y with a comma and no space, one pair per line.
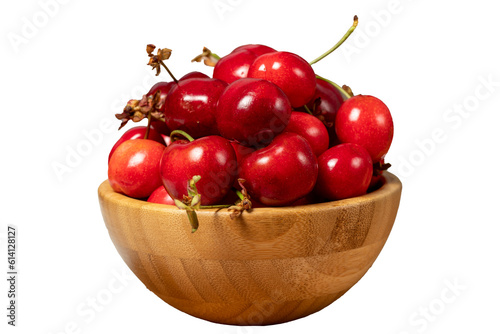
288,71
311,129
257,49
194,75
345,171
137,132
365,120
161,196
211,157
162,128
252,112
191,106
241,151
134,168
282,172
324,105
234,66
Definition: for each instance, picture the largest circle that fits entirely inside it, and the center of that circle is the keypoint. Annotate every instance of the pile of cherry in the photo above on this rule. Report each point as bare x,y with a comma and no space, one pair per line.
264,131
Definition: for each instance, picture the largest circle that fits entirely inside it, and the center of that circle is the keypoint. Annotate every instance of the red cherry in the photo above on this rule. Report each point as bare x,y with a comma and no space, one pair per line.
161,196
241,151
137,132
194,75
345,171
365,120
211,157
288,71
324,105
234,66
134,168
252,111
282,172
191,105
311,129
257,49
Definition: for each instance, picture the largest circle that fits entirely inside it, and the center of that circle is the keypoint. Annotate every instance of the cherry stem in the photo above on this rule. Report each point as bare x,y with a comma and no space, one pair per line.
221,206
344,94
240,195
148,127
193,220
216,56
175,133
307,109
339,43
163,64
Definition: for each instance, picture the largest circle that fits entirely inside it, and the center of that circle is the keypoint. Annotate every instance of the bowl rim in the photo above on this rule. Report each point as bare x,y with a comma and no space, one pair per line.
391,186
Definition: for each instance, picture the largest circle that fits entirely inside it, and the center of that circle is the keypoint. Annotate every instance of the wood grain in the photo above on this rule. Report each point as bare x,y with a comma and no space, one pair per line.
270,266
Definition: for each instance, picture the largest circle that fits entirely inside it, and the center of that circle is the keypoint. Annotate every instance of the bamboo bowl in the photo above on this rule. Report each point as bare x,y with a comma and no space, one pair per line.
269,266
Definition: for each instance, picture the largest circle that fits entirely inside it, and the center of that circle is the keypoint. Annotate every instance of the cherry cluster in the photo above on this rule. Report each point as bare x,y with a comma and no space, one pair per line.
265,130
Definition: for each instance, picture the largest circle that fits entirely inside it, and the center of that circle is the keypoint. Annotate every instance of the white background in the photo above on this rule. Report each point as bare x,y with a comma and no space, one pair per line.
426,59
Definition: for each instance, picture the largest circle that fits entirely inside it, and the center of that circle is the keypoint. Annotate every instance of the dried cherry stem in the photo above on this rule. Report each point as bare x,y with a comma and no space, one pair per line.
208,58
307,109
148,127
344,94
339,43
165,66
174,135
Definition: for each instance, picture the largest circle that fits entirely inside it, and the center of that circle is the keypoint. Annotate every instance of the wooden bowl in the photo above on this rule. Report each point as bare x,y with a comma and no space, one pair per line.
269,266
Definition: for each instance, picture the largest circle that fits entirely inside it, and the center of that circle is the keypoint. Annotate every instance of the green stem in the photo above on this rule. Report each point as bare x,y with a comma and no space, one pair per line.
215,56
181,133
339,43
193,220
221,206
344,94
163,64
307,109
240,195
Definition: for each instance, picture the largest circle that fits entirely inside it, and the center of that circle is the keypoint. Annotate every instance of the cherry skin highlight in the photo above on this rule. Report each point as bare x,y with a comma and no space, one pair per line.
212,157
289,72
281,173
252,112
191,106
134,167
311,129
345,171
366,120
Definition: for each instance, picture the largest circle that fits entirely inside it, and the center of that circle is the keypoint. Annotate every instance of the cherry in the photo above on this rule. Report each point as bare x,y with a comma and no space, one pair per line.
288,71
324,105
282,172
191,105
311,129
234,66
345,171
365,120
138,132
241,151
194,75
257,49
161,196
252,111
212,157
134,167
162,128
